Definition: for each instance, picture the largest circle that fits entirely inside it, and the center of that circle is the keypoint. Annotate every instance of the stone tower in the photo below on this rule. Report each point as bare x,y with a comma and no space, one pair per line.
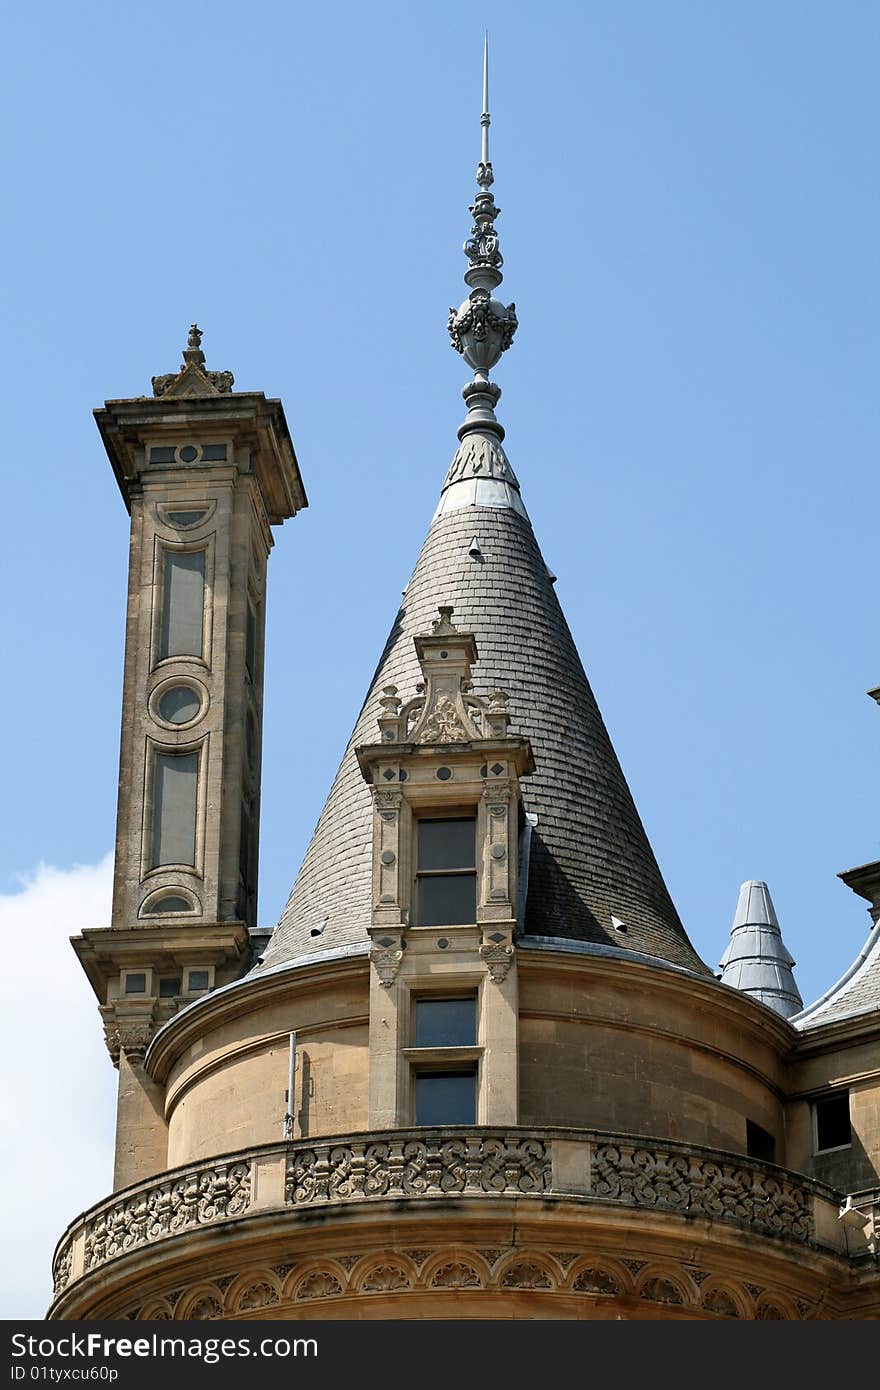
205,473
478,1070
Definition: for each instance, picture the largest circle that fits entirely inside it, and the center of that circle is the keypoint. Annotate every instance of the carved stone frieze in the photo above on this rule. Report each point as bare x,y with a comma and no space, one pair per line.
596,1280
319,1284
721,1301
212,1192
455,1275
696,1184
418,1257
417,1167
462,1268
261,1294
207,1308
385,1278
526,1274
660,1290
480,456
432,1164
61,1270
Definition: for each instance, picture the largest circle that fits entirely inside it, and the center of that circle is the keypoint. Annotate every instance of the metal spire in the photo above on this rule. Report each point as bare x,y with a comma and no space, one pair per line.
484,171
482,328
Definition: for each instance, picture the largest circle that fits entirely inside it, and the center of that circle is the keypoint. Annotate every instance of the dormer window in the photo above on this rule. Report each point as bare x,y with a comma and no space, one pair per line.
446,872
445,777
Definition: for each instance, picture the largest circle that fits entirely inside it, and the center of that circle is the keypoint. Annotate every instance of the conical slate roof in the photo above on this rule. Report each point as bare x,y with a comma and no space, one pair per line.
590,858
592,875
756,960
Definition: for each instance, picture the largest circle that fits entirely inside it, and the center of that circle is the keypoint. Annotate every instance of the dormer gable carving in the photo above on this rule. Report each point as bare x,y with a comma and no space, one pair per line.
445,752
444,709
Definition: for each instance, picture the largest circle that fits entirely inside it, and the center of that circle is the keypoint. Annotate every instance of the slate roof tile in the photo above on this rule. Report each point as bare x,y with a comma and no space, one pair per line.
590,856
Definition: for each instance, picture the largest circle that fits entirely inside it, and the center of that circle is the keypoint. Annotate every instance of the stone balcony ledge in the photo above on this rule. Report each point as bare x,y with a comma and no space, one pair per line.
428,1164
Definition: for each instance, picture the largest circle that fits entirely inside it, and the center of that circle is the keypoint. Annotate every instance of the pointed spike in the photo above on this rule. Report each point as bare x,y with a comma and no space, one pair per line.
481,328
485,119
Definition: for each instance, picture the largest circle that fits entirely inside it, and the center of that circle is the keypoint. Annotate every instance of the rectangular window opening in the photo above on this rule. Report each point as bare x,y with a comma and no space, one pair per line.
760,1143
183,604
446,1022
250,641
446,1097
135,984
446,872
169,988
175,798
833,1128
198,981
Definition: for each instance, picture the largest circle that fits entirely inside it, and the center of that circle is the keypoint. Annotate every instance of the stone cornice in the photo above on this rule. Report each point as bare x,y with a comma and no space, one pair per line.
250,416
103,951
242,997
761,1023
849,1031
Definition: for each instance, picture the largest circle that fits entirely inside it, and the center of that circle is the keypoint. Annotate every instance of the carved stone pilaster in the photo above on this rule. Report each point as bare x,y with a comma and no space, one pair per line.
386,855
496,882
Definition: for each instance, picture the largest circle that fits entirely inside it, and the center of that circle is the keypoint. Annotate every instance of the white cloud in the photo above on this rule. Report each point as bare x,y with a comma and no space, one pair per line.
57,1119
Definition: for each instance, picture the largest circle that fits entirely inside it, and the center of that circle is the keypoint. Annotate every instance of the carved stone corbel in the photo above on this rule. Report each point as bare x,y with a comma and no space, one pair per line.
386,955
496,949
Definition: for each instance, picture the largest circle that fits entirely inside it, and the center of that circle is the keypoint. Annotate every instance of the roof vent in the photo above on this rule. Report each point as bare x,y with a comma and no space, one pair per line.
319,931
617,924
475,552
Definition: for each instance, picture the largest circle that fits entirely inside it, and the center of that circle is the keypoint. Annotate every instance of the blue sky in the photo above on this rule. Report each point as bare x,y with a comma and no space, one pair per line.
690,223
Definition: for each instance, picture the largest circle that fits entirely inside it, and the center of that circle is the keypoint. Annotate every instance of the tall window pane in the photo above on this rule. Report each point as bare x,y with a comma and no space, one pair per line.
250,643
833,1128
183,603
446,1098
174,808
446,873
446,1022
447,844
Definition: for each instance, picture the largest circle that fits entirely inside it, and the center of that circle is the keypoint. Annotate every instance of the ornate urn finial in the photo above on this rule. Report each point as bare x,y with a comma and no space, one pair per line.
193,350
193,379
482,328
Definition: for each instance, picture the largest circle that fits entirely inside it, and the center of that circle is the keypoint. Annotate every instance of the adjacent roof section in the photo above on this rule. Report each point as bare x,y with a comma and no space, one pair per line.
756,961
858,989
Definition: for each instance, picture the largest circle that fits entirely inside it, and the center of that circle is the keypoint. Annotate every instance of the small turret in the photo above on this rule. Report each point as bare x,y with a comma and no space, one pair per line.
756,961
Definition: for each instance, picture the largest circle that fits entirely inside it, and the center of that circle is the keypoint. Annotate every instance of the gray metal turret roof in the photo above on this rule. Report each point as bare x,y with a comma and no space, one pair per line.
592,875
756,961
590,858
